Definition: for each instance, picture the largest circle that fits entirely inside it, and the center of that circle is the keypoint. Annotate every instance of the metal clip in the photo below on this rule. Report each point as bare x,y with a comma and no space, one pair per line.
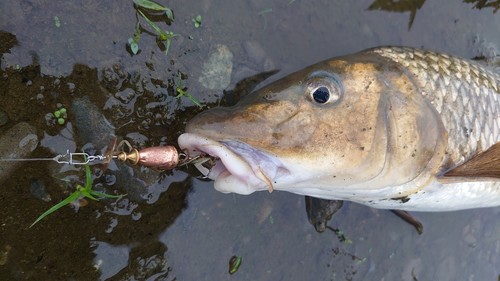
81,158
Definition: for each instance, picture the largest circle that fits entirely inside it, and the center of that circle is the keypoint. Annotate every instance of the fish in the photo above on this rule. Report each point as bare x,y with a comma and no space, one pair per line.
389,127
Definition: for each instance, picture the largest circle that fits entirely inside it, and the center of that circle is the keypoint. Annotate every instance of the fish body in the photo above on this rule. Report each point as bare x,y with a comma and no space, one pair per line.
389,127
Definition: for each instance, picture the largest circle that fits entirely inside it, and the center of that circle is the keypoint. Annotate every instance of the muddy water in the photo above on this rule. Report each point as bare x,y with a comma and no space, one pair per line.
174,226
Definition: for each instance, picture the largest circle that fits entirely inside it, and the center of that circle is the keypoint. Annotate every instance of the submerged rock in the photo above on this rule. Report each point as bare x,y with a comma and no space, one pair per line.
17,142
37,189
216,74
90,124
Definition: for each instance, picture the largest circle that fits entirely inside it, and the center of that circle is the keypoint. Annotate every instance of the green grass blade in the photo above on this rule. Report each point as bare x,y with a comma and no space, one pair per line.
192,99
88,193
167,46
169,14
88,177
151,5
105,195
153,25
72,197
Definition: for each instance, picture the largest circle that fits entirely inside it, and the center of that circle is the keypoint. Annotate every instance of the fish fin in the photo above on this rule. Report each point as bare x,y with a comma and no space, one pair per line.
485,164
407,217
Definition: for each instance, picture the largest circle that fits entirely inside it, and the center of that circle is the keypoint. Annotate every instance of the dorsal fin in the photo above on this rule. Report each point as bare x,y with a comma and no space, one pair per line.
483,165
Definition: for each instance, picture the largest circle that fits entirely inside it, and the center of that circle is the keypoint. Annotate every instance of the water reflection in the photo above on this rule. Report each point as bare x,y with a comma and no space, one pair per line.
139,249
480,4
399,6
211,227
412,6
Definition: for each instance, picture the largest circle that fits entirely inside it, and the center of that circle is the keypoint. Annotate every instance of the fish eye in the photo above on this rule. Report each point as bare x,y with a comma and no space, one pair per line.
321,94
324,87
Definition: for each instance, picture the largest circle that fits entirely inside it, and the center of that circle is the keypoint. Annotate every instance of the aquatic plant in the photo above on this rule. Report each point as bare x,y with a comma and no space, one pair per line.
197,21
163,36
80,192
61,115
234,264
182,92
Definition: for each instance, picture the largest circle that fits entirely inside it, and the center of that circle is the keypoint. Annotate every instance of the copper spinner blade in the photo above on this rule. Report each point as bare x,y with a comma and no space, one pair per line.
110,151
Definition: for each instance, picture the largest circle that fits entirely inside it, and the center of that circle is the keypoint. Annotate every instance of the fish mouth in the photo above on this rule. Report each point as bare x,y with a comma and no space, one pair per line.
237,166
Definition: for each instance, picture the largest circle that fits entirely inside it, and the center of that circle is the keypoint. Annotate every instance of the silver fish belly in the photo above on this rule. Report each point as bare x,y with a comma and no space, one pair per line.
389,127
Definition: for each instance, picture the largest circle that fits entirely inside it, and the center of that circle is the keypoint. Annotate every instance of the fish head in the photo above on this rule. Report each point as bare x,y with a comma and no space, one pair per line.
346,124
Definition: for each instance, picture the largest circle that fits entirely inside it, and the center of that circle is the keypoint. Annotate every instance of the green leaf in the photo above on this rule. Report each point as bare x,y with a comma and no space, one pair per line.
105,195
60,121
88,177
151,5
87,193
152,24
57,113
169,14
197,21
181,92
192,99
134,47
234,264
72,197
164,36
57,21
167,46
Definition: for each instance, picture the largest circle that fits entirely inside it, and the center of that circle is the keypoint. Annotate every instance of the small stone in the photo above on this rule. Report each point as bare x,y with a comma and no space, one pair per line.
71,87
216,73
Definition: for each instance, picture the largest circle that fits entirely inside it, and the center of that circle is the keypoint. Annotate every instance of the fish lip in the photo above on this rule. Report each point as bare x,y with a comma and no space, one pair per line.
246,164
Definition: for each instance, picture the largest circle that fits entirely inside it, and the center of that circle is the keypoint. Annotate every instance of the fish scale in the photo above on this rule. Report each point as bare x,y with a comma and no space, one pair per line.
464,93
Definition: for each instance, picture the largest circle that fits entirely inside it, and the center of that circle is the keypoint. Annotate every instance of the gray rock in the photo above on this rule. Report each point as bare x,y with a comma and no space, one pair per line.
90,124
216,73
17,142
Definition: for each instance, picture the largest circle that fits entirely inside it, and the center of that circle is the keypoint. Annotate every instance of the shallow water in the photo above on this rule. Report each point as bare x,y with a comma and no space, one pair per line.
173,226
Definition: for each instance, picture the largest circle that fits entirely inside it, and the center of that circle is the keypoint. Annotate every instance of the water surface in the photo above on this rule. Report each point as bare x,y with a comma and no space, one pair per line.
174,226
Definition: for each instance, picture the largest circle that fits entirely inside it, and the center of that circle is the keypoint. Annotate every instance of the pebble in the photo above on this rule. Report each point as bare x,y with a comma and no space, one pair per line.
71,87
216,73
17,142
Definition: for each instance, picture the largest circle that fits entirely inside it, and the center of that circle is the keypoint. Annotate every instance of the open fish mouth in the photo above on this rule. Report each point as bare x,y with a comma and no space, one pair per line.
235,166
